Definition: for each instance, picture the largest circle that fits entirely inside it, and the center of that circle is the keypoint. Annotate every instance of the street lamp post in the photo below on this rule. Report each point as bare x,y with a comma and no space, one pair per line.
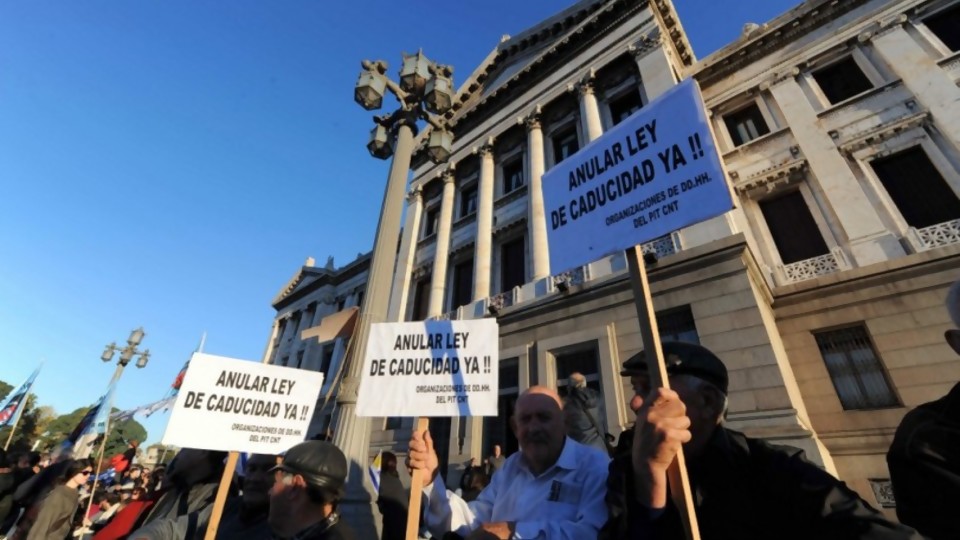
127,353
424,88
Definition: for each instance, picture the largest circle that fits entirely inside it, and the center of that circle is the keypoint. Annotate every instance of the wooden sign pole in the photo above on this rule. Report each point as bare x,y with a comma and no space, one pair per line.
221,499
677,478
416,491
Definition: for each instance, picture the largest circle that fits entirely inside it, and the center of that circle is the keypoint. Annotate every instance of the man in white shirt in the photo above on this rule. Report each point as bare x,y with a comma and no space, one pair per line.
552,489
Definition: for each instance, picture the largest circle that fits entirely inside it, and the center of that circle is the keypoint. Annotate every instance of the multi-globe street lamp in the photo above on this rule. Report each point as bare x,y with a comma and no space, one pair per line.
127,353
425,92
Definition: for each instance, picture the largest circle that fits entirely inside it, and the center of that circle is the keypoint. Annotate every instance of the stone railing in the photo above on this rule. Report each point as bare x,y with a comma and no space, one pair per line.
810,268
663,246
939,235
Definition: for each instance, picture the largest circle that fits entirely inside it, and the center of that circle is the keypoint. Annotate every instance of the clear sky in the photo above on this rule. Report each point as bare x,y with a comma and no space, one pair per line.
171,164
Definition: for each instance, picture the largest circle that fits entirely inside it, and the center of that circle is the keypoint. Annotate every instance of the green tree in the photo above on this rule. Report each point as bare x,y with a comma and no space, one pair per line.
5,389
119,437
32,419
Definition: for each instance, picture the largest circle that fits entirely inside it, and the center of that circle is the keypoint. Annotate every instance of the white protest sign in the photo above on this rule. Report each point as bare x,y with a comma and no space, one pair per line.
236,405
431,368
656,172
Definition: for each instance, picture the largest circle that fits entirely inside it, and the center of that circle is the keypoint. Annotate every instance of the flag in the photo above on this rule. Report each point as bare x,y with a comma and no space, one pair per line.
13,406
88,424
178,380
102,418
374,470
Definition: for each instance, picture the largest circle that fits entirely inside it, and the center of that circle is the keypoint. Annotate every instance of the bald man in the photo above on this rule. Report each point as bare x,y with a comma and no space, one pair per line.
552,489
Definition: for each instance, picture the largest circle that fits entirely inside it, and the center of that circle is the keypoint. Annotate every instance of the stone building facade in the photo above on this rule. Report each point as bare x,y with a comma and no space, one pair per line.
822,290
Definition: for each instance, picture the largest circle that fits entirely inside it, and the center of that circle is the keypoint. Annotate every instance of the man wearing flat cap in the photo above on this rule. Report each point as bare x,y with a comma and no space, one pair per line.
743,488
308,484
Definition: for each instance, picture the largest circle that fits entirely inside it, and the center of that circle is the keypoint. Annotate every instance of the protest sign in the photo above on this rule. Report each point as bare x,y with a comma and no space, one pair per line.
235,405
656,172
431,368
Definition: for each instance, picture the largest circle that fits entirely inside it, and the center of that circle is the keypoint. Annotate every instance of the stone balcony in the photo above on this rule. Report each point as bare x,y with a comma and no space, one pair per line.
934,236
951,65
813,267
582,275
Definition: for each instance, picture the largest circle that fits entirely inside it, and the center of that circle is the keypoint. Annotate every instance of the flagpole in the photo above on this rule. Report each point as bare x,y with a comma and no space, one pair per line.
16,423
103,445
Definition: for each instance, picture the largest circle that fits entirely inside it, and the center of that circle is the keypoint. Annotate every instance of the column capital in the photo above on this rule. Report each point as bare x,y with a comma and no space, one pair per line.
780,77
644,45
448,175
485,149
532,119
585,85
415,195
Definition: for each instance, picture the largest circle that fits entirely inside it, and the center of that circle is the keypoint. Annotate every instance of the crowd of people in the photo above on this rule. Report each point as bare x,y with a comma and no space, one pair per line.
567,481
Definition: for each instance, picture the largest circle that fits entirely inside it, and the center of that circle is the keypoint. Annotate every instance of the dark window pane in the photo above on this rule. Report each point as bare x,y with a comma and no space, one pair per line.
512,175
299,360
585,361
440,431
677,325
496,429
565,144
421,300
746,125
509,374
326,359
623,106
432,221
462,284
792,227
946,26
857,374
468,200
842,80
513,270
394,422
921,194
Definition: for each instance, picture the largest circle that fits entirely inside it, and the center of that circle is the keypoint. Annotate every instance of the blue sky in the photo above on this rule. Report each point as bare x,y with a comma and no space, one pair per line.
171,164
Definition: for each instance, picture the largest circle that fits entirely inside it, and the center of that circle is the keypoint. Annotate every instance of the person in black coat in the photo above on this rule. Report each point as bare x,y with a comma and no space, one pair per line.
392,500
743,488
307,487
924,458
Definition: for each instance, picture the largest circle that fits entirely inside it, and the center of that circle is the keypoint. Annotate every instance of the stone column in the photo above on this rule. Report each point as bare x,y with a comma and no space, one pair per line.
408,249
484,240
589,110
536,218
933,89
438,280
656,72
869,240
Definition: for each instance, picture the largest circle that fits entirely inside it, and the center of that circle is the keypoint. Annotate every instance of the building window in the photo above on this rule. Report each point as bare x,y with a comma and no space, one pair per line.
792,227
512,175
842,80
359,298
440,431
285,361
917,188
585,361
677,325
421,300
857,374
326,360
462,284
565,144
512,268
432,221
393,422
299,360
746,125
341,303
310,313
946,26
496,429
468,200
624,105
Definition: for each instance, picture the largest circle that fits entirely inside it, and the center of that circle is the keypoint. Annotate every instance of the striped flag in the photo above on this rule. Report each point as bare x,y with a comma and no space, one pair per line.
17,400
374,470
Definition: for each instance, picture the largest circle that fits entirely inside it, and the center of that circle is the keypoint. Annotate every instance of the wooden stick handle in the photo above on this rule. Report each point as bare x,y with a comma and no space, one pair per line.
679,482
221,499
416,492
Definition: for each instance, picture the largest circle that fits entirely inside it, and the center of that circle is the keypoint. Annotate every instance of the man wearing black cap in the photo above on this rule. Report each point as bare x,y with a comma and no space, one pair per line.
307,487
743,488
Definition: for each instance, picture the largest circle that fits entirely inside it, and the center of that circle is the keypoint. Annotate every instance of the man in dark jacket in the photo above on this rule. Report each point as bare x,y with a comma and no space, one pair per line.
743,488
392,500
924,458
581,411
307,487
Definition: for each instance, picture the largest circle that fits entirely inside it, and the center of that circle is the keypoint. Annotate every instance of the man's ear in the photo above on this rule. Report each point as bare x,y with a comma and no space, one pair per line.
953,338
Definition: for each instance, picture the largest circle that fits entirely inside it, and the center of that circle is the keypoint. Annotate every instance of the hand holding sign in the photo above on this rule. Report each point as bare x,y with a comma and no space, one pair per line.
423,456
